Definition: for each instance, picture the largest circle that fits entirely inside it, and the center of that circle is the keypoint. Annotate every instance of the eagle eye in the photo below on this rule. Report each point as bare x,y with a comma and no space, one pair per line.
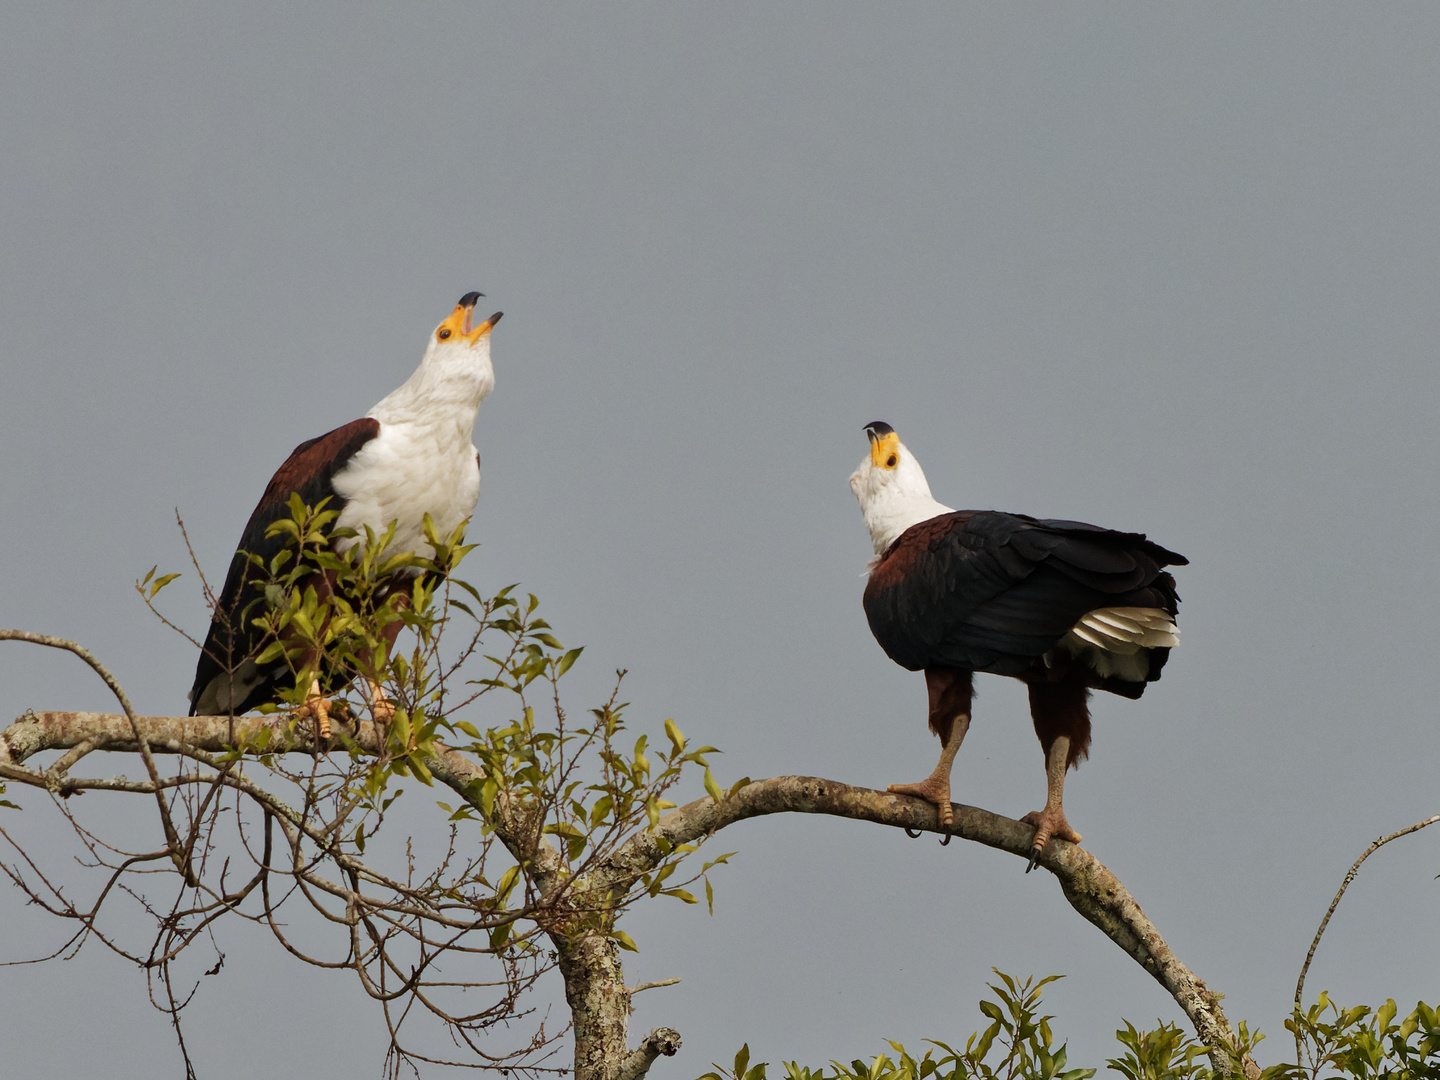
890,461
443,334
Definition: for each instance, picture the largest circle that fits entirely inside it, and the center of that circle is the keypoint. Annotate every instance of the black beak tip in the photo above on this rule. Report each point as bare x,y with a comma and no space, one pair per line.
878,428
468,300
496,317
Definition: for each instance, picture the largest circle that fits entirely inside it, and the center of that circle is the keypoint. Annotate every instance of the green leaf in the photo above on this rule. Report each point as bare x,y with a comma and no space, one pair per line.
624,940
983,1046
507,884
602,807
160,582
712,788
676,738
272,652
500,936
1386,1014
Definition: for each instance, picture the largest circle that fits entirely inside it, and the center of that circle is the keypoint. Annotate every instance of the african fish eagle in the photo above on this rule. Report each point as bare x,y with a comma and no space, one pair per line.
409,456
1062,606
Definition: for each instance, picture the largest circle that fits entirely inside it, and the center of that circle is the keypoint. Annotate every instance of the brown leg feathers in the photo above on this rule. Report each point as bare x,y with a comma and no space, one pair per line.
1061,714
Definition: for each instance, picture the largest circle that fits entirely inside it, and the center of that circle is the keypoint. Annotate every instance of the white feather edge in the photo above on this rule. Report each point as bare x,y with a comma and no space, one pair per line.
1113,640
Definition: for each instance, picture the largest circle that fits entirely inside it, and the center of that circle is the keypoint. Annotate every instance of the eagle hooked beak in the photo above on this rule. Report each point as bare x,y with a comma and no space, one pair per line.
458,324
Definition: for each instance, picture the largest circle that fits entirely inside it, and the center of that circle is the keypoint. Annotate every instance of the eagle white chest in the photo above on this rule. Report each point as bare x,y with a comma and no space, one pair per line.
410,469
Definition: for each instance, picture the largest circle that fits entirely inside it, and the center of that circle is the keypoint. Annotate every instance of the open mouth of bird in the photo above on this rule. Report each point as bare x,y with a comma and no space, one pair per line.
481,330
461,321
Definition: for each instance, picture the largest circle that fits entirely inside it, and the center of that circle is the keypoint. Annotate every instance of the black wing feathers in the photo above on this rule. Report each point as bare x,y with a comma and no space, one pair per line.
990,591
309,472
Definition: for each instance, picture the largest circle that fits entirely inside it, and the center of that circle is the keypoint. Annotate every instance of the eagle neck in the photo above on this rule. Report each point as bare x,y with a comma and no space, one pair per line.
890,520
439,399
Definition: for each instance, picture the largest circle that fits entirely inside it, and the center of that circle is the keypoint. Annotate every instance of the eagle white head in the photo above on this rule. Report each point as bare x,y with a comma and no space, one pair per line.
454,375
891,488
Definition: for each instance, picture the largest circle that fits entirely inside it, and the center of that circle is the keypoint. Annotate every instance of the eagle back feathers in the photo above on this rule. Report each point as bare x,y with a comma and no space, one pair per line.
997,592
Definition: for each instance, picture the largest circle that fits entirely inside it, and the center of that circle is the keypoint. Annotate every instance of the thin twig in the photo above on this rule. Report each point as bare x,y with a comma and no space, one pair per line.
633,990
1349,877
172,836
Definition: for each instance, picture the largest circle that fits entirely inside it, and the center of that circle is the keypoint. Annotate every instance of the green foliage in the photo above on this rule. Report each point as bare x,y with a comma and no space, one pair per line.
329,606
1365,1044
551,817
1018,1044
1167,1053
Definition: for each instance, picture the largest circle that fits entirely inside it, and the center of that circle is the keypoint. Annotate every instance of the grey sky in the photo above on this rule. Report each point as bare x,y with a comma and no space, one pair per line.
1170,269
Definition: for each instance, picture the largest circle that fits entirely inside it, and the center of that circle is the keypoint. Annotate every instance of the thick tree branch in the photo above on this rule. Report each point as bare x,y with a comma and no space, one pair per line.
659,1041
1092,890
1089,887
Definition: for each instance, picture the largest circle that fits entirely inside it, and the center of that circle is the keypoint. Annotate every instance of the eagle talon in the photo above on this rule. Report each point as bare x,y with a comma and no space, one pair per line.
913,834
1049,824
316,707
946,842
936,793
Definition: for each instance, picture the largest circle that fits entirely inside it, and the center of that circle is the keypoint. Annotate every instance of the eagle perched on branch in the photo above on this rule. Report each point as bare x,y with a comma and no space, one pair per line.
1062,606
409,456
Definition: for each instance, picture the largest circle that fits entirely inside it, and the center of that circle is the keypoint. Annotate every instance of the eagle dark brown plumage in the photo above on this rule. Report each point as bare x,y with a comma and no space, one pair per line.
1063,606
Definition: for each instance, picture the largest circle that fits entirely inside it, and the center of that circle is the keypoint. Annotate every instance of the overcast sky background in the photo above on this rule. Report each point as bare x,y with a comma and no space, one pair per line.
1171,269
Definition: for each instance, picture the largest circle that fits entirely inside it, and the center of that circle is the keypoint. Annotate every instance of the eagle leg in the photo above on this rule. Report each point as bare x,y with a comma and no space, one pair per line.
951,691
380,705
317,706
935,788
1051,821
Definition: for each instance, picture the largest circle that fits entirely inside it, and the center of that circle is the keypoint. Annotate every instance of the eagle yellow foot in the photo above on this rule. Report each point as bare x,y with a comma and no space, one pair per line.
1048,823
381,706
316,707
936,792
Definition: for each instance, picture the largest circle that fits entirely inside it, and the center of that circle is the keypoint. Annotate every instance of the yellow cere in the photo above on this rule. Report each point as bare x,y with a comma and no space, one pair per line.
458,325
885,451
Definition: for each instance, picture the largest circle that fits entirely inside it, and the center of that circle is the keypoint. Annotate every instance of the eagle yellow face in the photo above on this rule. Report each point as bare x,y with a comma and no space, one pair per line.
884,446
457,327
